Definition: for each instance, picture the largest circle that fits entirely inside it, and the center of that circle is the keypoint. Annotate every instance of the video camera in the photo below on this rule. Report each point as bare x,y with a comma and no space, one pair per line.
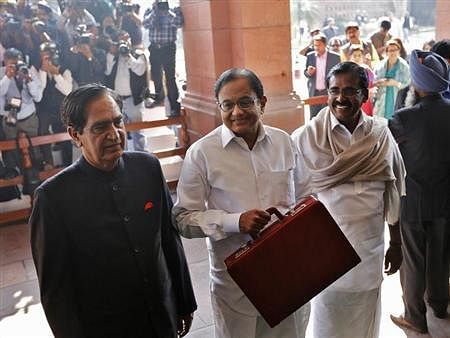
22,68
12,106
52,50
81,36
124,50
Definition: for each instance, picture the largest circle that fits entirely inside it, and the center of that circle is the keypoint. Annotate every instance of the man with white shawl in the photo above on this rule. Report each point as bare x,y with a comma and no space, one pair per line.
353,165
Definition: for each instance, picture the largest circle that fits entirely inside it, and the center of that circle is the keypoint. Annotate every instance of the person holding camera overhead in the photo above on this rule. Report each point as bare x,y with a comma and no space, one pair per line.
126,73
20,88
56,80
162,24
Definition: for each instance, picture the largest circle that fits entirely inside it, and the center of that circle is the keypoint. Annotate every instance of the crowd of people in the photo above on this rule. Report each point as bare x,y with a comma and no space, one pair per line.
49,48
382,54
108,254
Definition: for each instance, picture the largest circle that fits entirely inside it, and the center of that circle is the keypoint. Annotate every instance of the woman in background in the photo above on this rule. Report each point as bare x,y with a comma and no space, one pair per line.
391,74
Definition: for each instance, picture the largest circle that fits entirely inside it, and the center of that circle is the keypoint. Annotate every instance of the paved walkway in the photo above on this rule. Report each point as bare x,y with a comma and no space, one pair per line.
21,314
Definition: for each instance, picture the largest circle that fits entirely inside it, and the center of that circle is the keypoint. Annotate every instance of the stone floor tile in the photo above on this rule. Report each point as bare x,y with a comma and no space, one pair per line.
12,273
18,296
14,244
200,281
207,332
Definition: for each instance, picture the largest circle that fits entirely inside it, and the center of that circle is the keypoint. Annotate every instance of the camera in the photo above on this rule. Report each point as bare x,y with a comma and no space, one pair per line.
81,36
124,50
12,106
53,53
21,68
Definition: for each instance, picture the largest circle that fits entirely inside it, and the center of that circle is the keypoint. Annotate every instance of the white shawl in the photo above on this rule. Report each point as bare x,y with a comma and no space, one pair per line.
373,157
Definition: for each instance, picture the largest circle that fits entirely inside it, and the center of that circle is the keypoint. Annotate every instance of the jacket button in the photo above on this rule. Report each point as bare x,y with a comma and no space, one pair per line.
115,187
136,250
126,218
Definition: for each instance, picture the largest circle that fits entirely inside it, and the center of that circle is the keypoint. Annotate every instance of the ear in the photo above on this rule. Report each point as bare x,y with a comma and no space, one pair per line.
262,102
75,135
365,95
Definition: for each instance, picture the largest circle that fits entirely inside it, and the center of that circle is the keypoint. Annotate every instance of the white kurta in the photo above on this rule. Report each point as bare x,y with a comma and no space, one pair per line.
358,208
220,179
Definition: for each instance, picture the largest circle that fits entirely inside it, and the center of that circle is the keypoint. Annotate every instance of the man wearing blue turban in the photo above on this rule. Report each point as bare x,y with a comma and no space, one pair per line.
423,134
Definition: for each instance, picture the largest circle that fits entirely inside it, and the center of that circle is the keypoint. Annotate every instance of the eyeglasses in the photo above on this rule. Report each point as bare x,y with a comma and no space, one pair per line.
393,50
347,91
243,102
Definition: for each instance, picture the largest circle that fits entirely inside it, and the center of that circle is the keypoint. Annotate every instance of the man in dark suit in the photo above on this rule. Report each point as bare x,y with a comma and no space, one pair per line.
423,134
318,64
109,261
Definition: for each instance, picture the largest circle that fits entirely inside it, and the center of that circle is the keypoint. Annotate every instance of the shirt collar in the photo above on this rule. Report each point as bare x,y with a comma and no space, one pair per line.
228,135
324,55
335,122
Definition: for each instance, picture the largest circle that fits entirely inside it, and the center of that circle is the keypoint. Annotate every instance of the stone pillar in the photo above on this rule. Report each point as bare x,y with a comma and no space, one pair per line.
442,19
253,34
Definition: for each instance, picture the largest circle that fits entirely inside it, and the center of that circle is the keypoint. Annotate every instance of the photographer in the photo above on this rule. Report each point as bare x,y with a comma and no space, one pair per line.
20,87
126,73
74,15
86,62
48,24
129,21
162,24
56,80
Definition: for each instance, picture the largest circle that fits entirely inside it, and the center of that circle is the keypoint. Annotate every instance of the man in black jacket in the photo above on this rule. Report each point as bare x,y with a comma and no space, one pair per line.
423,134
109,261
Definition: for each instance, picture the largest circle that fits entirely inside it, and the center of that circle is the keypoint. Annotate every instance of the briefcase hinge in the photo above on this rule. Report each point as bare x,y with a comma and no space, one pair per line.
241,251
300,208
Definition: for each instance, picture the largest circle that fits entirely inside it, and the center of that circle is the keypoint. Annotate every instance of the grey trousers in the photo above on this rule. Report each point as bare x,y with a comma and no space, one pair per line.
13,158
424,269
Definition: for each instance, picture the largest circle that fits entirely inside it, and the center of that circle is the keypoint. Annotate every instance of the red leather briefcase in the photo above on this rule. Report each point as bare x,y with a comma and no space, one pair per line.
292,260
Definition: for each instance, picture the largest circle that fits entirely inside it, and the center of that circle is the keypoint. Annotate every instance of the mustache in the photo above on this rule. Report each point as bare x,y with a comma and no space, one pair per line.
342,103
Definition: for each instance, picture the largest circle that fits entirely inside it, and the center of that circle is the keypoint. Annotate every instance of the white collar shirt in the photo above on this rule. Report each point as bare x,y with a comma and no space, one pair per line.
357,207
222,178
321,70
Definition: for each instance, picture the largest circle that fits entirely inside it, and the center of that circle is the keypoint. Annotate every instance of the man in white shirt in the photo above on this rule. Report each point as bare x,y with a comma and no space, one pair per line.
20,88
126,73
228,179
351,161
57,83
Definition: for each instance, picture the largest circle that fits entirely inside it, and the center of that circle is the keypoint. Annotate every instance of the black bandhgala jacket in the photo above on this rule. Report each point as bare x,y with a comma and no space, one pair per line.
109,261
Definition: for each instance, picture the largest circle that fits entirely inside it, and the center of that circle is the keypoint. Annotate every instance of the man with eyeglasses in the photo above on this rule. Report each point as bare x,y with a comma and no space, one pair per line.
228,179
351,161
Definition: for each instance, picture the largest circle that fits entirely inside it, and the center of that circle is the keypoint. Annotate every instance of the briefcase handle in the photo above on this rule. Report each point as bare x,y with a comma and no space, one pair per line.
272,211
276,212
